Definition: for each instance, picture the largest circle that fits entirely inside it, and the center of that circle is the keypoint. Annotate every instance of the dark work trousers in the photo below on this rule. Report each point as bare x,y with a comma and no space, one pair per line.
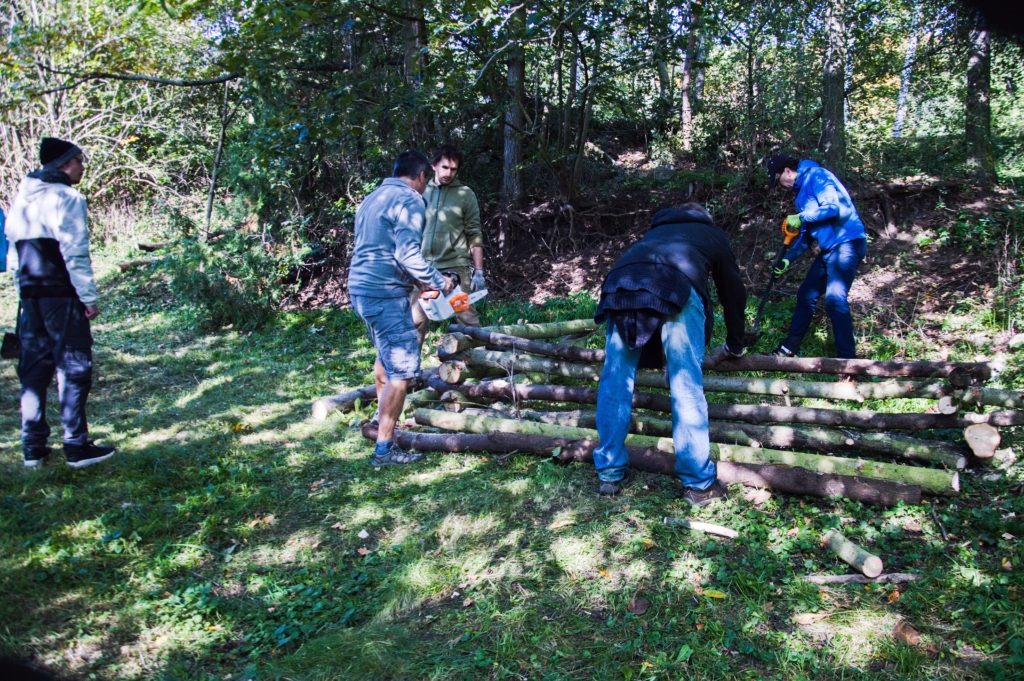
831,275
55,338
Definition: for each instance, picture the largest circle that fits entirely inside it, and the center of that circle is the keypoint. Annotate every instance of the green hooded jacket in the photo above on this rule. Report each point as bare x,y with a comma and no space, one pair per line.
452,225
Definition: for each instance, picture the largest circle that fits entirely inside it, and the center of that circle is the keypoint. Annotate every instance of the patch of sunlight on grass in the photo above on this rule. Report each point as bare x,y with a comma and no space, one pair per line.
564,518
517,487
366,514
475,563
456,527
448,467
854,636
200,390
971,575
578,556
162,436
689,570
189,555
421,575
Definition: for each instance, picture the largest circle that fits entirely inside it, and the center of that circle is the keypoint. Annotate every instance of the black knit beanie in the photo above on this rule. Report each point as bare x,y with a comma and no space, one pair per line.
53,152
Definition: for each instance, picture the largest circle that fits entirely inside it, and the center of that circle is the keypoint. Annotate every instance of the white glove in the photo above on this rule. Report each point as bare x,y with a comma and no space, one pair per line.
478,283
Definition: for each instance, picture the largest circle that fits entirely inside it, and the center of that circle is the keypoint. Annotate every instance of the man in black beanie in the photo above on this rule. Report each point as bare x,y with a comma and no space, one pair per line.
53,271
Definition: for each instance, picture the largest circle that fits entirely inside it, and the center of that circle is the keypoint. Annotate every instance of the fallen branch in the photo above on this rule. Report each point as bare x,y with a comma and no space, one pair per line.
343,402
700,526
851,554
888,578
546,329
566,352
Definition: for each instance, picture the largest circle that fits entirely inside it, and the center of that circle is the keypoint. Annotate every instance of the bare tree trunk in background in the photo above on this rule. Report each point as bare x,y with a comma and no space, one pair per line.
570,95
686,89
833,127
851,44
224,121
978,113
583,133
511,185
905,75
415,41
698,74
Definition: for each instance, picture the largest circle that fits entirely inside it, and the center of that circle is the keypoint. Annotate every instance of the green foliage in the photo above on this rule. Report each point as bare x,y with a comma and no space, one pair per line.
236,283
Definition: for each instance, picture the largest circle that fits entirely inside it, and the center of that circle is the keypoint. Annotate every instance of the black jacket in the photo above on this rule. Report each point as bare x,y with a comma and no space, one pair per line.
678,254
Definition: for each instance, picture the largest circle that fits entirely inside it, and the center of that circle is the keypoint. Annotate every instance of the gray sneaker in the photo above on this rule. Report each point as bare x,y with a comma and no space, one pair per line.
396,456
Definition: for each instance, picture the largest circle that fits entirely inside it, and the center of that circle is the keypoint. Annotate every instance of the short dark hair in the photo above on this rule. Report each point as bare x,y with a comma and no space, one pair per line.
410,164
449,152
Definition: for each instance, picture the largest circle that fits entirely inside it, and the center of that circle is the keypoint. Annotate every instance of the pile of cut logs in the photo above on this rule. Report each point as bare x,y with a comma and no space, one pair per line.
507,389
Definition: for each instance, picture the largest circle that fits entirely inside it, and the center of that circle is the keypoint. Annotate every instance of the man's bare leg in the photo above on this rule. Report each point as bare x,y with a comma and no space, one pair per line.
391,401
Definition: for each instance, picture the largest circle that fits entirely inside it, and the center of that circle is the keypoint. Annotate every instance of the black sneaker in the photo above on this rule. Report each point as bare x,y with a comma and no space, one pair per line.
80,456
783,351
700,498
609,488
396,456
36,456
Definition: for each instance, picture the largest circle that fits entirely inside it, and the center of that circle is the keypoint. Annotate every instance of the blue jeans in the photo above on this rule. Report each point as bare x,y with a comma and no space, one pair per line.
683,339
831,274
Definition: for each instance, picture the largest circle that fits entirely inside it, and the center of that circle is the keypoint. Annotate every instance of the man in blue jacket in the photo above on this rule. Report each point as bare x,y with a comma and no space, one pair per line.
658,311
825,214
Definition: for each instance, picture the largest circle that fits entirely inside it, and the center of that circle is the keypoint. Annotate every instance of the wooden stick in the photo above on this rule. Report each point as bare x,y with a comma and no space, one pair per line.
700,526
868,563
888,578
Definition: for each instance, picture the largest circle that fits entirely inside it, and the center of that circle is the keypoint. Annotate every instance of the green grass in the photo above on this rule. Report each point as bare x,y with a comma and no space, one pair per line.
233,536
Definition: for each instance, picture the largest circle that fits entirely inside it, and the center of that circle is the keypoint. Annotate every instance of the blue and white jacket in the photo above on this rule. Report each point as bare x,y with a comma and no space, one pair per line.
826,210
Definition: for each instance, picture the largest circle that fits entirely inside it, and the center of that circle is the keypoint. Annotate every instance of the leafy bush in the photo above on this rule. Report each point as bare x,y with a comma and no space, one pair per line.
237,283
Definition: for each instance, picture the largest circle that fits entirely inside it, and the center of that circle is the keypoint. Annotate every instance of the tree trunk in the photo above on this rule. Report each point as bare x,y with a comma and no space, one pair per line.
218,154
833,133
908,69
929,479
978,112
890,578
776,478
415,41
546,329
686,99
777,437
750,413
851,554
583,131
511,184
838,390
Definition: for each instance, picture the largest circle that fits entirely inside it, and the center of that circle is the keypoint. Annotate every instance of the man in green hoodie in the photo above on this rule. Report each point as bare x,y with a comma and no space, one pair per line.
452,238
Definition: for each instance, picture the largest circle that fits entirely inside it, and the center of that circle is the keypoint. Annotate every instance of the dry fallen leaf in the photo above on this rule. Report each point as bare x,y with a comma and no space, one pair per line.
714,593
810,617
904,633
893,596
363,551
912,526
363,534
638,605
699,626
468,602
604,573
792,532
1006,565
337,526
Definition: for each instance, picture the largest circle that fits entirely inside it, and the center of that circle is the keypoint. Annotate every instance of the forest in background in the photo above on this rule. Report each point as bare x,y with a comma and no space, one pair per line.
265,123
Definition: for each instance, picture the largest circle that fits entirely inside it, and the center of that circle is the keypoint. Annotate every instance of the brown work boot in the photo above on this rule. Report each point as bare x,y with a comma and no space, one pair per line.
699,498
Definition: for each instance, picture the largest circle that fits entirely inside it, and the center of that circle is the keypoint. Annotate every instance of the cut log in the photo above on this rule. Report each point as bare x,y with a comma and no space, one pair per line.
566,352
140,262
929,479
453,343
841,390
785,437
422,398
546,329
343,402
971,372
750,413
700,526
959,373
995,397
983,440
851,554
888,578
779,479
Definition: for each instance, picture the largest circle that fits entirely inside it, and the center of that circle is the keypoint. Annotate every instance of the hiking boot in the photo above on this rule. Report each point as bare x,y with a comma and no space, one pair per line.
396,456
609,488
783,351
701,498
80,456
36,456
